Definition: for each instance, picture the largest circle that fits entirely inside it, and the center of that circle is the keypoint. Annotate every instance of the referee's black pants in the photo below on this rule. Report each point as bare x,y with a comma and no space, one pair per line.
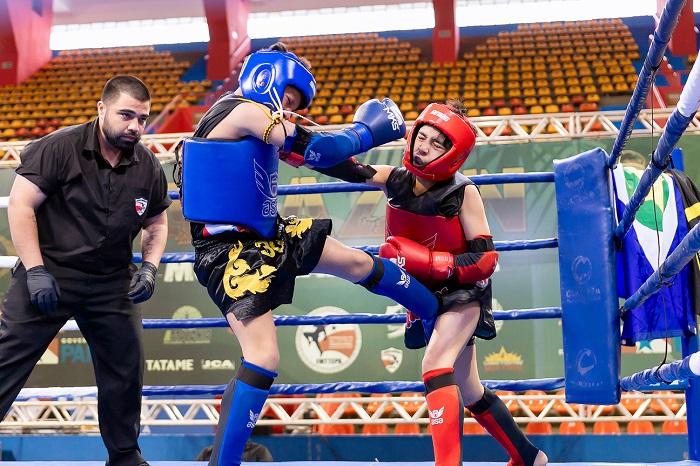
112,327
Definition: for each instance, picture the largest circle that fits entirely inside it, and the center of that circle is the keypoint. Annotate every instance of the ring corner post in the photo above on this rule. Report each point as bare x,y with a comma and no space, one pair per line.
590,311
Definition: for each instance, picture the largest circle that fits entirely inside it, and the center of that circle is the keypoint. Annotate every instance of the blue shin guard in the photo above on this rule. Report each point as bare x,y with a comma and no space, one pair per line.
242,402
388,279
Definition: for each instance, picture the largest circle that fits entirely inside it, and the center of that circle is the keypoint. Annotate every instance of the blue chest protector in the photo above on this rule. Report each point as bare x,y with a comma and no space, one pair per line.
230,182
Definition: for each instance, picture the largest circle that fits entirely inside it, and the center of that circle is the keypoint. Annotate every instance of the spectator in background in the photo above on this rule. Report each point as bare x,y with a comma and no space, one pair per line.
253,453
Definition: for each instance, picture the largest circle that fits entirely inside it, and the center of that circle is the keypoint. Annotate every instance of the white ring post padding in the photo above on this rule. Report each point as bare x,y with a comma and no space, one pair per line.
689,101
7,262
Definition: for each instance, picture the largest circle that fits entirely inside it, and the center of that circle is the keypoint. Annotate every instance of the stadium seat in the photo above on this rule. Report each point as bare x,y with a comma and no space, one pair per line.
673,404
675,427
380,429
411,406
572,428
539,428
407,429
512,404
330,408
335,429
631,402
372,406
640,427
535,405
606,427
472,428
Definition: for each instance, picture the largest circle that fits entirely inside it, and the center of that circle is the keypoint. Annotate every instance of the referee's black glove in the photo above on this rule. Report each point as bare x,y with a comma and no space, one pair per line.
43,288
143,283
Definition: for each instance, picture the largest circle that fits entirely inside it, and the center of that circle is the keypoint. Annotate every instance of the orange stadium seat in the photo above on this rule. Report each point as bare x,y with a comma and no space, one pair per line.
407,429
606,427
572,428
539,428
472,428
380,429
675,427
640,427
335,429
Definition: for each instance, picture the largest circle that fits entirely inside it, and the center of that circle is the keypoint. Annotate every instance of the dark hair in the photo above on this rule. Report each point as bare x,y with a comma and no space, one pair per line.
125,84
632,156
282,47
458,105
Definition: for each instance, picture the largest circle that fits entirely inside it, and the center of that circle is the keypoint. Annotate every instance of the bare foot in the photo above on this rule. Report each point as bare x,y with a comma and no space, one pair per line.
541,459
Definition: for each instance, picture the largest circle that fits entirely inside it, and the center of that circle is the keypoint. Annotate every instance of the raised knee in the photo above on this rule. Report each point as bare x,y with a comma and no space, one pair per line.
269,361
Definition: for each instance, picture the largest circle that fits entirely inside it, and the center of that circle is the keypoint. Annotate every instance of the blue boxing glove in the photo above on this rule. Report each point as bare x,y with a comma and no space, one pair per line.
377,123
43,288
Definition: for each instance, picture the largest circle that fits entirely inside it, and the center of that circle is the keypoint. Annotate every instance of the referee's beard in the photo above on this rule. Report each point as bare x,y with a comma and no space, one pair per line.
119,139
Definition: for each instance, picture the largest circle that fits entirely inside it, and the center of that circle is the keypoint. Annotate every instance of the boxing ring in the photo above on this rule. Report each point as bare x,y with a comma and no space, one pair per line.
587,277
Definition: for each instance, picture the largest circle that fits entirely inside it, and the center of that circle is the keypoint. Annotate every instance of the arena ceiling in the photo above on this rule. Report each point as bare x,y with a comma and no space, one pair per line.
97,11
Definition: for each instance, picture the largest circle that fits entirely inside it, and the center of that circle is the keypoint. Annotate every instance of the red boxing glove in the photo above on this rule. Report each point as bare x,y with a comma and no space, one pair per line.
479,263
418,260
292,158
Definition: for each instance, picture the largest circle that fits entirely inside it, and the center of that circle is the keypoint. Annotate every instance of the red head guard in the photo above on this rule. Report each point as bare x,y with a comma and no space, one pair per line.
456,127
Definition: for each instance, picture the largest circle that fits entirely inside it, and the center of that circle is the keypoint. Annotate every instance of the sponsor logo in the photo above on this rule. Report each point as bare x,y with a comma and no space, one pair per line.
585,361
75,354
436,416
392,358
440,115
170,365
401,261
659,346
141,205
503,361
396,120
187,336
218,364
582,269
181,272
313,156
267,185
405,280
328,348
253,419
50,356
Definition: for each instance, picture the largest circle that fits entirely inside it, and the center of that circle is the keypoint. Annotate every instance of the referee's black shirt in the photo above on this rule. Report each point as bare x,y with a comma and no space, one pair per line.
93,212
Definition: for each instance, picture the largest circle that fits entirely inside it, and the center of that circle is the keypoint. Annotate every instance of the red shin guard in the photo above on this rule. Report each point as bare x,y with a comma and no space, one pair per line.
446,416
493,415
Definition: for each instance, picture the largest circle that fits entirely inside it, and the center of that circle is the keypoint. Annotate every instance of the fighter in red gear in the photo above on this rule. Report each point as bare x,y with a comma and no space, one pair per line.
436,229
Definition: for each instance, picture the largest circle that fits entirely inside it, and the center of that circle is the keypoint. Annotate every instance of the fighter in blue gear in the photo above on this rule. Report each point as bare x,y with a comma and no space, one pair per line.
246,255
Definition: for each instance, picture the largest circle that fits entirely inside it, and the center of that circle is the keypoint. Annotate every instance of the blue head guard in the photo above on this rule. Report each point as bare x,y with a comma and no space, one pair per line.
266,73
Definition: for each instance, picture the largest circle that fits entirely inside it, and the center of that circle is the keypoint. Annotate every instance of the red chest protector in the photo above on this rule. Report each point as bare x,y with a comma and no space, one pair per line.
434,232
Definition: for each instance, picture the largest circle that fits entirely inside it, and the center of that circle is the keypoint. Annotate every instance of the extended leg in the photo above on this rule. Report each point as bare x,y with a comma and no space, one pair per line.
242,402
388,279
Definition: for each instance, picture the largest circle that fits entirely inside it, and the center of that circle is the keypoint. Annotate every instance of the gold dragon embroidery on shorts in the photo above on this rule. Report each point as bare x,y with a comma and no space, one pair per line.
238,278
296,226
270,248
